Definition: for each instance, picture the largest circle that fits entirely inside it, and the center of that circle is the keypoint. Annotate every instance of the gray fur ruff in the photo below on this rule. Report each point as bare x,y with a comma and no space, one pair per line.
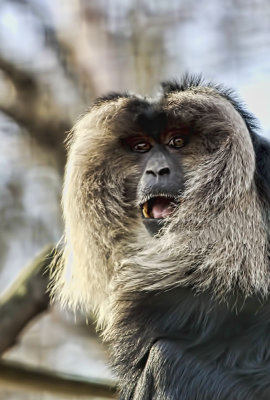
215,242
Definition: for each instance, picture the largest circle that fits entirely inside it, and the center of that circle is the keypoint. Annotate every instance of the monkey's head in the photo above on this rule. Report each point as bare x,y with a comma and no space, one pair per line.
182,166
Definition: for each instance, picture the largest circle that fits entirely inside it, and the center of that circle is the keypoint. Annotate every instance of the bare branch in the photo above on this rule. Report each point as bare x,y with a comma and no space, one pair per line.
32,379
25,299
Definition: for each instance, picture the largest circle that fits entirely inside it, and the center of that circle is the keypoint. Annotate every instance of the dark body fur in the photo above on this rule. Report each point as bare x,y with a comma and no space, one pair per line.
182,346
186,314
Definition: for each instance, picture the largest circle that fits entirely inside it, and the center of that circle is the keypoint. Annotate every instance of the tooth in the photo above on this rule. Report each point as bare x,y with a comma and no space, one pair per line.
145,210
144,214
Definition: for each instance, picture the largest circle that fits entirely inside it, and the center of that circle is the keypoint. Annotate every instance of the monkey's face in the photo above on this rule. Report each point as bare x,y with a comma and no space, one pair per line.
158,150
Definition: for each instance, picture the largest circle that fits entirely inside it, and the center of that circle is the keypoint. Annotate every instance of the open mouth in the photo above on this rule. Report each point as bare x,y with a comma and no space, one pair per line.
158,207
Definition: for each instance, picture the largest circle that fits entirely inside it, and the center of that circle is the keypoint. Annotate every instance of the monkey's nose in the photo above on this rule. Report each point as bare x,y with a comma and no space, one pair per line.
158,171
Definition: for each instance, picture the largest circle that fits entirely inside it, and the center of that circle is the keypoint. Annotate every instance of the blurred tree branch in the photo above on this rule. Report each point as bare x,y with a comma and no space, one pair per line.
30,108
26,298
33,379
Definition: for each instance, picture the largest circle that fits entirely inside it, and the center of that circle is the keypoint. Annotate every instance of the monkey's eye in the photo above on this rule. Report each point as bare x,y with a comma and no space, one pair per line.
176,142
141,147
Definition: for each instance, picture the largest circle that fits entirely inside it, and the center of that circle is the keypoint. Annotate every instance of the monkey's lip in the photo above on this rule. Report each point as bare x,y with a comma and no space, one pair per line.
158,207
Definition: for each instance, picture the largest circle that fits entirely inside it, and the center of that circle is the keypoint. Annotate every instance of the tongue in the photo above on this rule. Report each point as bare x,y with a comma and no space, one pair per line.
162,207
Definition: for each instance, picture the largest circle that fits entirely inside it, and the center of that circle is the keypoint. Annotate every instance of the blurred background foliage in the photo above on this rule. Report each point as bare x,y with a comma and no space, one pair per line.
55,57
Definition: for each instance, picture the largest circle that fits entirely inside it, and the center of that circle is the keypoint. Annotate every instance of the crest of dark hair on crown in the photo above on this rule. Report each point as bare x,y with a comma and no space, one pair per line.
110,97
189,81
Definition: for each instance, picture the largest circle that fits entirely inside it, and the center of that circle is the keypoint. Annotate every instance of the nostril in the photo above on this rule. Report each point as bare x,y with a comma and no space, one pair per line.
150,172
164,171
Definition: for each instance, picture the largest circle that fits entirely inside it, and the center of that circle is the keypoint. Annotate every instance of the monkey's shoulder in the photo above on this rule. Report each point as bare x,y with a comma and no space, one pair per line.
193,347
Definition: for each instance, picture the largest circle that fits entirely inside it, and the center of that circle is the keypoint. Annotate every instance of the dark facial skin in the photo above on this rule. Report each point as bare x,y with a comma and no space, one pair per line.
160,162
161,181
